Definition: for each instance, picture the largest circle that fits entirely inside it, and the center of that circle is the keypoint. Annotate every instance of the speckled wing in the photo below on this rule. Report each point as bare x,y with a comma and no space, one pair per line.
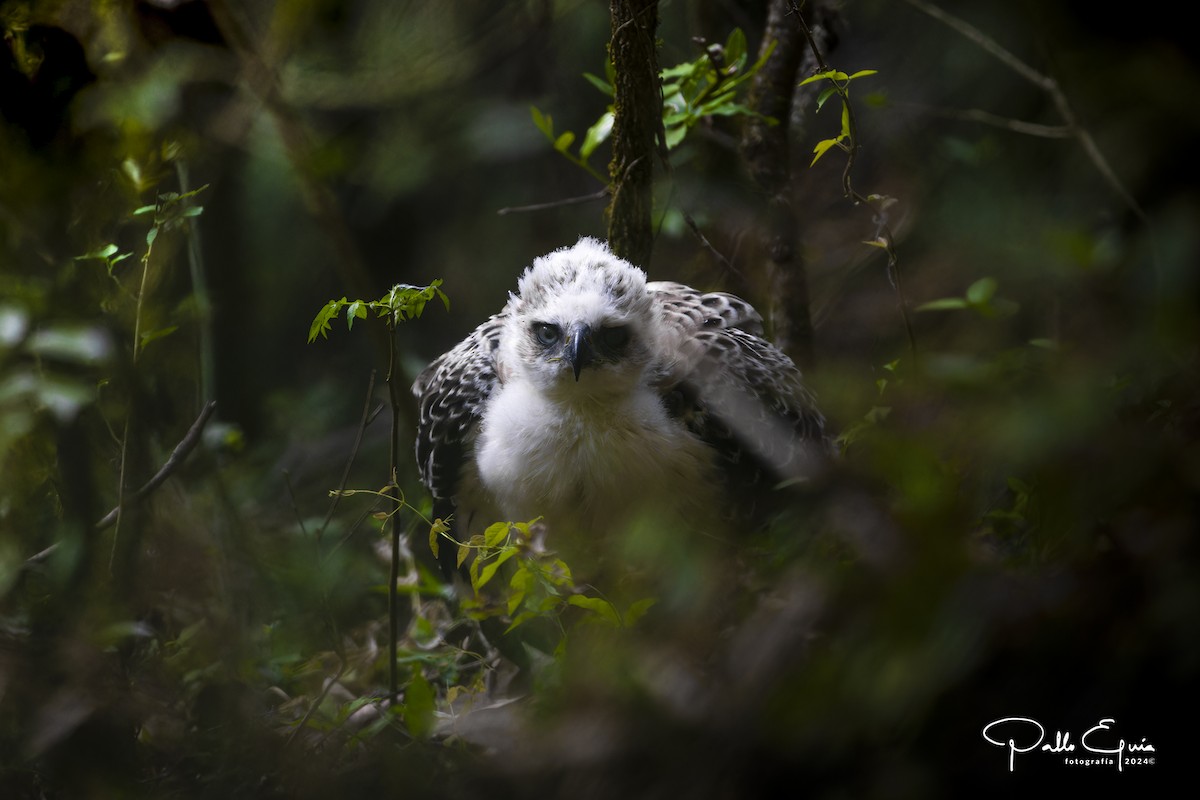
736,391
693,310
451,393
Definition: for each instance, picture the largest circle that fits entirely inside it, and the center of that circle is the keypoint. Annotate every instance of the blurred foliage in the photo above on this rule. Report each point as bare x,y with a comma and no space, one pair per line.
1010,529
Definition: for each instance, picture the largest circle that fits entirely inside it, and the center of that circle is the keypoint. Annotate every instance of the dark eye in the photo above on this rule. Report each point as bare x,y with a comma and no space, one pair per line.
613,338
546,334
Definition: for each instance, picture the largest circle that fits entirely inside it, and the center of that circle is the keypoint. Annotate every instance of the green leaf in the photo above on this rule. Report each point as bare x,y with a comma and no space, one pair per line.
488,572
822,147
155,335
845,120
495,535
564,141
825,94
1018,486
596,135
518,587
151,235
684,70
820,76
596,605
599,83
542,122
321,324
103,252
981,291
419,707
638,609
735,46
520,619
675,135
355,310
944,304
862,73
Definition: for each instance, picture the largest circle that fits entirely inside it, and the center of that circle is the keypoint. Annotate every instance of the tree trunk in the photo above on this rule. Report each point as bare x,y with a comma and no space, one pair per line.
637,121
767,158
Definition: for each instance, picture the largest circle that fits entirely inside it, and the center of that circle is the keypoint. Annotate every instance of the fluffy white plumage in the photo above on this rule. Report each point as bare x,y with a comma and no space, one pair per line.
595,397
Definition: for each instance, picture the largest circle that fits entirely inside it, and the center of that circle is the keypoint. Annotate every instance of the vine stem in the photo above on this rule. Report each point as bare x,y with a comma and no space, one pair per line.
137,348
883,232
393,521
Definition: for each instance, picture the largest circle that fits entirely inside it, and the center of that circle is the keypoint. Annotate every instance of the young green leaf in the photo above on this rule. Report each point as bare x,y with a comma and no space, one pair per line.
542,122
495,534
321,324
160,333
820,76
638,609
823,147
564,141
103,252
518,587
598,606
599,83
981,291
596,135
943,304
487,572
735,46
825,94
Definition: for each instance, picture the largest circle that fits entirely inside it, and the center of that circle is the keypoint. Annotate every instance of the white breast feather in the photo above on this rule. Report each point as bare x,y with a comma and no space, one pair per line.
589,465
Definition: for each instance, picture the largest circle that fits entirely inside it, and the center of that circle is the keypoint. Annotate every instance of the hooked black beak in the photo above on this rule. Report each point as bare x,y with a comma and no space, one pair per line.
579,346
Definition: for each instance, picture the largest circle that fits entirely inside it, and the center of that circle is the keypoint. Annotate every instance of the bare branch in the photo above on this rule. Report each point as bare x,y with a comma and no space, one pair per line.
176,459
1046,84
997,121
569,201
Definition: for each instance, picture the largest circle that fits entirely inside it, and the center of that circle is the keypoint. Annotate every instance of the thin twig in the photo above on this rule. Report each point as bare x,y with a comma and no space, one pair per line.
1046,84
987,43
997,121
176,459
358,437
569,201
316,703
393,519
287,482
812,42
707,245
883,232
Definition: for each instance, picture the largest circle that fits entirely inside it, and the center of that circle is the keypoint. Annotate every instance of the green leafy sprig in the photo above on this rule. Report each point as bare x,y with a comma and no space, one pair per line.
402,302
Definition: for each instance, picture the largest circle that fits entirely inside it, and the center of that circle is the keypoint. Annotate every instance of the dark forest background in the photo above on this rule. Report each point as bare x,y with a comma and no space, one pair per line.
1010,529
